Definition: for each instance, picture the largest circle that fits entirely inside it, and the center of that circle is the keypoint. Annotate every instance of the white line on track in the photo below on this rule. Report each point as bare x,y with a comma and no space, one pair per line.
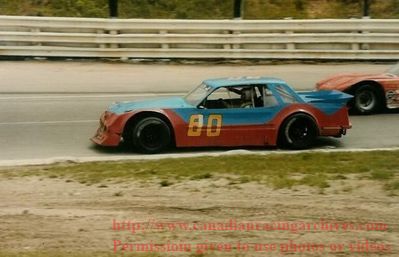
141,157
44,97
46,122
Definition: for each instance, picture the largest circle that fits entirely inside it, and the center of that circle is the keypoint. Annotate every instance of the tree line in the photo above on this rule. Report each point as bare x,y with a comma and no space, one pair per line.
202,9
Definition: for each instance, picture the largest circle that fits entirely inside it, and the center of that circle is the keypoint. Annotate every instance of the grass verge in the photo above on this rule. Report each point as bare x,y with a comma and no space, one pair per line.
277,170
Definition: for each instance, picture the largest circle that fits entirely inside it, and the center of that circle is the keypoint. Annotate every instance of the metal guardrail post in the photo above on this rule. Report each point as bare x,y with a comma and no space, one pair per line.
226,46
36,30
236,33
365,46
101,32
164,33
355,46
289,46
113,32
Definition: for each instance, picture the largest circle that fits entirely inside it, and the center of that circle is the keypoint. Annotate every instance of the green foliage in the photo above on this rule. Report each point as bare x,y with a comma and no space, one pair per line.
277,170
175,9
63,8
202,176
315,180
165,183
393,185
382,174
200,9
272,9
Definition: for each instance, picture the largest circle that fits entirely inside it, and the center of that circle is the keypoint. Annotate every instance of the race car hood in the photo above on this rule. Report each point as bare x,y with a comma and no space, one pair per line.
161,103
343,81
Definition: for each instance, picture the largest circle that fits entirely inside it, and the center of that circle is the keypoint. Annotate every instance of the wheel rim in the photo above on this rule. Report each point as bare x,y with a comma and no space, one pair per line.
151,136
365,100
298,130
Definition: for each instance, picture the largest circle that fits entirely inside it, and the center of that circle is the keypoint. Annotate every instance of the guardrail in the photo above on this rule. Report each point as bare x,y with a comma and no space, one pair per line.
356,39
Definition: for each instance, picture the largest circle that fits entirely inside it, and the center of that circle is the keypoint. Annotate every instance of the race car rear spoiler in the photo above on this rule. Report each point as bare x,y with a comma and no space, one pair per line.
325,96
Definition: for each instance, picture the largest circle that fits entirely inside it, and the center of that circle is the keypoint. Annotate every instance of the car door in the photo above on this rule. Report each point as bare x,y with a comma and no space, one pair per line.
229,118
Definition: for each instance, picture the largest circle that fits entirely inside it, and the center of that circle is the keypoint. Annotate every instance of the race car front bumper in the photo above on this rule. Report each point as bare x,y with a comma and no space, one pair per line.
106,134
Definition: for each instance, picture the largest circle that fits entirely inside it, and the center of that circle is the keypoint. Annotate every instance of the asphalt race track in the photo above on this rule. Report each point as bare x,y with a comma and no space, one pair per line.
51,109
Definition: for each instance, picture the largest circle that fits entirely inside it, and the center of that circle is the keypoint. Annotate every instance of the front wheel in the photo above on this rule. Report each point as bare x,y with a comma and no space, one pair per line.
367,100
298,132
151,135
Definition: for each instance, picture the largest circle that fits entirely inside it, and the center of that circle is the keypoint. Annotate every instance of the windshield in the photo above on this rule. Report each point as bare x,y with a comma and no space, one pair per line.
198,94
394,70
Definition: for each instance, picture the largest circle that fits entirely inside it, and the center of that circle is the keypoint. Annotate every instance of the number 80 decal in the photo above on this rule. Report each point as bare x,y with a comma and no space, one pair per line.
197,122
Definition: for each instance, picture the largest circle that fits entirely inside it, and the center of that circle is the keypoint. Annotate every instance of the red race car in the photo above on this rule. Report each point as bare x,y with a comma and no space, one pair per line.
372,92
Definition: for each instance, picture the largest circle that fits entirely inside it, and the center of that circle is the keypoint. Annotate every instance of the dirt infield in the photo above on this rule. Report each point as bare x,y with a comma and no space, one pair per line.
203,217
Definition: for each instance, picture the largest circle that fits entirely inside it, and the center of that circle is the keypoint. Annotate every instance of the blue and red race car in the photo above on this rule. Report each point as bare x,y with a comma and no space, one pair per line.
245,111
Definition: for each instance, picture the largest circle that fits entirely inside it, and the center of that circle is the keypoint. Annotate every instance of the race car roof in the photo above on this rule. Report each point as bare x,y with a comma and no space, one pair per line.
241,81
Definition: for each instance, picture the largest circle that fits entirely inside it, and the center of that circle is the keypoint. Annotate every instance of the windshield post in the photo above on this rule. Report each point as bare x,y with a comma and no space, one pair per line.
198,94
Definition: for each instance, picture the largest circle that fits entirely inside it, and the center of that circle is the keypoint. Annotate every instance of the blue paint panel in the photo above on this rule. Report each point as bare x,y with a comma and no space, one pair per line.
161,103
234,116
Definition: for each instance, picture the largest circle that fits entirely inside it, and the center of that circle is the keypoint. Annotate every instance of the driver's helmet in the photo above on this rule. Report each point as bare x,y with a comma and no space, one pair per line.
247,94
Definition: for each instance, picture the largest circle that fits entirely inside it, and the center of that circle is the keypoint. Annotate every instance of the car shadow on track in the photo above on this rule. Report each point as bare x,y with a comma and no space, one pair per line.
322,143
385,111
391,111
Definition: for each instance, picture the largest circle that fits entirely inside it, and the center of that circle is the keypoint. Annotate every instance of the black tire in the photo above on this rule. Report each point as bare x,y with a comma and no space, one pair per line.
298,131
367,99
150,135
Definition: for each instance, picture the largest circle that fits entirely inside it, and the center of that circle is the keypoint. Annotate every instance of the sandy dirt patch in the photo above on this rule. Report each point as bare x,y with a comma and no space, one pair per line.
41,214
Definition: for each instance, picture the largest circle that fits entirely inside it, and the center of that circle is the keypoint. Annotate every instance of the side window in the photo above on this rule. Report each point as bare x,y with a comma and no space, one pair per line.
269,99
221,98
234,97
286,96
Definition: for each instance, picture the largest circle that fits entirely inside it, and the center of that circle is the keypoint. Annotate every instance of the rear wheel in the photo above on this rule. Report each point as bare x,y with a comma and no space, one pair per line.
298,132
367,99
150,135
